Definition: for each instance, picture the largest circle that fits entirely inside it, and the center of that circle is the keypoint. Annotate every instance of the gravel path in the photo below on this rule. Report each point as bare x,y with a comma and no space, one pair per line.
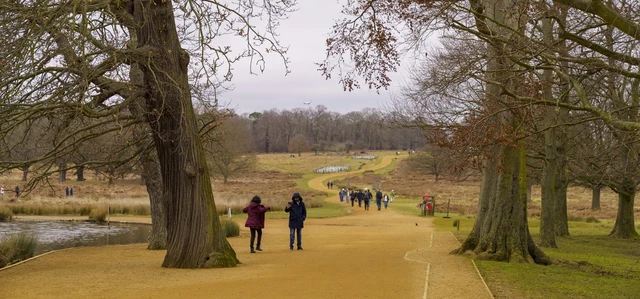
368,254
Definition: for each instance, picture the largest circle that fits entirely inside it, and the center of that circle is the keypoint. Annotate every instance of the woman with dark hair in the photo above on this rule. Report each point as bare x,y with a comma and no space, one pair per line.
255,221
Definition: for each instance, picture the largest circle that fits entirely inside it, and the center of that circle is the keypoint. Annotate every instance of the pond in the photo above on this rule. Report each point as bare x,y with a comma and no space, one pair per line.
53,235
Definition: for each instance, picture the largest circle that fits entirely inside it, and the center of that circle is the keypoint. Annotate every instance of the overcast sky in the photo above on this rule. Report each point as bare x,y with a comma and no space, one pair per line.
305,32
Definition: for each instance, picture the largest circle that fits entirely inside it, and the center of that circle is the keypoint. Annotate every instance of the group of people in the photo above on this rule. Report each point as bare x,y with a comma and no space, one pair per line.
255,221
68,191
365,196
17,190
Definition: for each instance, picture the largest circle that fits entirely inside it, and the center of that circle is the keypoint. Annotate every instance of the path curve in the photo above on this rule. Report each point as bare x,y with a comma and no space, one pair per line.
368,254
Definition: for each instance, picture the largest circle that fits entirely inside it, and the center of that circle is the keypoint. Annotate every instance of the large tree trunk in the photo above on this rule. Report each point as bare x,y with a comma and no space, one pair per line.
195,238
625,226
153,181
562,218
80,173
62,168
504,235
151,175
547,203
595,198
25,173
487,193
551,156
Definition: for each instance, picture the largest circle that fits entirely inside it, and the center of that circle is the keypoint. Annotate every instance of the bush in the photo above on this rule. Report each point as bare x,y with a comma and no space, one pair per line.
98,215
592,219
231,228
17,247
5,214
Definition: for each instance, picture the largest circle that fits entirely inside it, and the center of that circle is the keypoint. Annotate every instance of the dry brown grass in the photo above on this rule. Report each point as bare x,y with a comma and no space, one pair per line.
277,177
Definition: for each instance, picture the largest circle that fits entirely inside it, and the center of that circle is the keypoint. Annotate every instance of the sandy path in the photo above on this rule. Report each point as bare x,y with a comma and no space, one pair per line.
368,254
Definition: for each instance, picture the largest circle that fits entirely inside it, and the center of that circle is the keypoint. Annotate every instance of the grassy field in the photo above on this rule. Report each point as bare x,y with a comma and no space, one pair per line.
588,264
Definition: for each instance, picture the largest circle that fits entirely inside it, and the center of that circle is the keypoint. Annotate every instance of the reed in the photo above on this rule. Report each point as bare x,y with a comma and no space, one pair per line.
5,214
17,247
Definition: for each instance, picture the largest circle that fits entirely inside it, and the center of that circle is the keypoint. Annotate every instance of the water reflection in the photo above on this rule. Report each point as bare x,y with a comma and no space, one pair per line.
59,235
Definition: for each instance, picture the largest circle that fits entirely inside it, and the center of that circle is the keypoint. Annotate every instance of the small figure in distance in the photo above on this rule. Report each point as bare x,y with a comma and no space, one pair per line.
385,201
297,215
255,221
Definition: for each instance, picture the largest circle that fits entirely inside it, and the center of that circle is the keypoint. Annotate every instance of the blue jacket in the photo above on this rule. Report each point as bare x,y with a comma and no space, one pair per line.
297,212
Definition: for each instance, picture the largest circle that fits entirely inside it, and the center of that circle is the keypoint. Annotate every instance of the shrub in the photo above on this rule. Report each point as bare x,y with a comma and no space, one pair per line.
98,215
592,219
231,228
17,247
5,214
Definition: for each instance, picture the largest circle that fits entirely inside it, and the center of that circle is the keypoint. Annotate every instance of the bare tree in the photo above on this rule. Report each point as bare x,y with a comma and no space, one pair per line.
78,59
299,144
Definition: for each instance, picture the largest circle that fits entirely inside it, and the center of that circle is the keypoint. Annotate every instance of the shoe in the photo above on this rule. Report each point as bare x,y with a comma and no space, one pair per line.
299,248
258,248
253,251
291,248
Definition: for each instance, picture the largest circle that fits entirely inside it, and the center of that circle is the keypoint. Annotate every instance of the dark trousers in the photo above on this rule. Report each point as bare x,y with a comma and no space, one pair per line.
292,234
253,236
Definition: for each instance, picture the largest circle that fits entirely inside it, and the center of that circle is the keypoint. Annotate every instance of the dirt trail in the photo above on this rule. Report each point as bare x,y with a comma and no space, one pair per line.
368,254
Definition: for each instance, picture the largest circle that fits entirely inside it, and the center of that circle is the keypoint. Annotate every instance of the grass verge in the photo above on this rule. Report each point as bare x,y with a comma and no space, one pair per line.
588,264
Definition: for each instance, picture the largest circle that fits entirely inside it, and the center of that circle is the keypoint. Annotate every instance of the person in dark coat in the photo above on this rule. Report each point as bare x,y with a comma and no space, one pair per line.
297,215
367,199
255,221
353,197
379,199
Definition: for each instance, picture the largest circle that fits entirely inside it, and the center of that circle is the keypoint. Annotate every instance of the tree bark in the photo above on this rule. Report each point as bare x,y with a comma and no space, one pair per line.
80,173
562,218
504,235
63,172
25,173
153,181
195,238
595,198
624,227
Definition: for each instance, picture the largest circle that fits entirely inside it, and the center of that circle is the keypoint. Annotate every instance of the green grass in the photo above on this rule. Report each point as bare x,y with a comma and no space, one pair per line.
17,247
587,264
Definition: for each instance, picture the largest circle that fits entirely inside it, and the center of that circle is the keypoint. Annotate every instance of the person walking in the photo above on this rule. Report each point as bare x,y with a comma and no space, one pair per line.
392,194
255,221
2,191
353,197
379,199
342,195
367,199
17,190
385,201
297,215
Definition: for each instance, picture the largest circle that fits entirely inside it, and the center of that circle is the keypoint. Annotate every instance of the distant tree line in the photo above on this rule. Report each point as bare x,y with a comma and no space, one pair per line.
320,130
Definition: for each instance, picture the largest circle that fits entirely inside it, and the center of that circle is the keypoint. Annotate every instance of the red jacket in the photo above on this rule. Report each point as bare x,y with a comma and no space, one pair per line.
255,213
